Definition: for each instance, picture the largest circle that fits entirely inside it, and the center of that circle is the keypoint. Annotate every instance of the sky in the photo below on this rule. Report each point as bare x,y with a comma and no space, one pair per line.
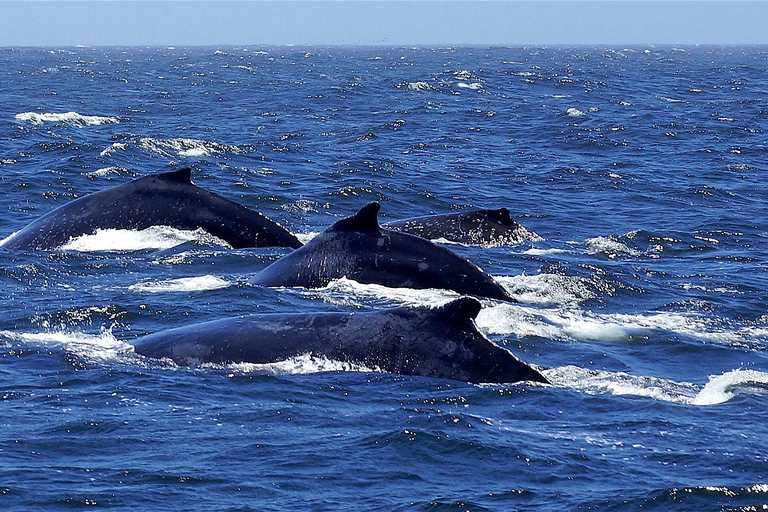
373,22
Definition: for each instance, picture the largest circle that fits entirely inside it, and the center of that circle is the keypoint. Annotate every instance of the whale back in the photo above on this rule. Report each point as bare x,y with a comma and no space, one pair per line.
359,249
439,342
166,199
479,227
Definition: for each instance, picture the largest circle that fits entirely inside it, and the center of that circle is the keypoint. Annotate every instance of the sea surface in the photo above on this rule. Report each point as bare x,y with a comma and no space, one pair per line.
643,298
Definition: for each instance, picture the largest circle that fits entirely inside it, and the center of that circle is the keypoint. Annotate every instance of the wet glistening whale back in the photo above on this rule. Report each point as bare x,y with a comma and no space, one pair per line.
479,227
166,199
431,342
358,248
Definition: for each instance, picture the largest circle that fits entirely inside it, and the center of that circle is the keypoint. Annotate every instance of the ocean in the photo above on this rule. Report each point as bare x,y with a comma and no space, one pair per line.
642,297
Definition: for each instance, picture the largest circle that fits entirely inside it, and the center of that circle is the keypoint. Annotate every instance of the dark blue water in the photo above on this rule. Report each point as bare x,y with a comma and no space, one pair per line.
642,170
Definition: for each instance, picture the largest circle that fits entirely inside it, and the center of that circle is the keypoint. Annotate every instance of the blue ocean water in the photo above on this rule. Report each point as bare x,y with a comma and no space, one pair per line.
642,299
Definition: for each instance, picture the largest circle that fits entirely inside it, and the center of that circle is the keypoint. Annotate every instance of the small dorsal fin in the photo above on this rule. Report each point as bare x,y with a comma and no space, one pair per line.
179,176
367,219
501,215
461,310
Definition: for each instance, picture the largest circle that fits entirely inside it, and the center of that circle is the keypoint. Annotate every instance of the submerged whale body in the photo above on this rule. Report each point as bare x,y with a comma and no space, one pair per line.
359,249
167,199
470,227
431,342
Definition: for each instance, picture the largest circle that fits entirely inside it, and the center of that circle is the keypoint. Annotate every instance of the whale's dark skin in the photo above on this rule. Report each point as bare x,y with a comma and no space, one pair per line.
470,227
167,199
441,342
359,249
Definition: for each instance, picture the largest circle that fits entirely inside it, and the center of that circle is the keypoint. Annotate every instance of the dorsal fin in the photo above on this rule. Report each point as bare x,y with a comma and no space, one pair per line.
502,215
367,219
179,176
461,310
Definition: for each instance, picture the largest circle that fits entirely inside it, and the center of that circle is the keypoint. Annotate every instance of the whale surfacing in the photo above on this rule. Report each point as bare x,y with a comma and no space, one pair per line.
166,199
473,227
431,342
358,248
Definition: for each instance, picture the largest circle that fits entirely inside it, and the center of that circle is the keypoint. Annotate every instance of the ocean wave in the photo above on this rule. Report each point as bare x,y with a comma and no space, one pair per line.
184,284
70,118
96,347
111,150
185,147
599,382
420,86
574,112
473,86
547,289
104,171
562,320
155,237
609,247
722,388
718,390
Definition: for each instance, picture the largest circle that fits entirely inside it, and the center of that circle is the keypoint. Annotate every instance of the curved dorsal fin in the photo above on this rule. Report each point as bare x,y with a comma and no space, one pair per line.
367,219
179,176
460,310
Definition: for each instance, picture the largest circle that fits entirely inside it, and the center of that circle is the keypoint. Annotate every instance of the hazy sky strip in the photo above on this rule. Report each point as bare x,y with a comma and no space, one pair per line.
179,23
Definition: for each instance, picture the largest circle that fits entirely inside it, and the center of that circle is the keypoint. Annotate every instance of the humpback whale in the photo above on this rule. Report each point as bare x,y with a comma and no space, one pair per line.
358,248
166,199
439,342
471,227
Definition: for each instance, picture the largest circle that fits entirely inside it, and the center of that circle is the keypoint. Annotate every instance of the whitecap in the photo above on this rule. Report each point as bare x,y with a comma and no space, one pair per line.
185,147
184,284
117,146
609,247
598,382
574,112
155,237
722,388
101,346
420,86
71,118
474,86
547,289
104,171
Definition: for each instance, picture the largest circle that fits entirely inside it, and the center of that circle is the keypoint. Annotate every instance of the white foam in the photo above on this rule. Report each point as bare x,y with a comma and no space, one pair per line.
609,247
722,388
555,313
347,292
547,289
104,171
304,238
184,284
71,118
117,146
155,237
301,364
474,86
597,382
420,86
543,252
186,147
574,112
102,346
